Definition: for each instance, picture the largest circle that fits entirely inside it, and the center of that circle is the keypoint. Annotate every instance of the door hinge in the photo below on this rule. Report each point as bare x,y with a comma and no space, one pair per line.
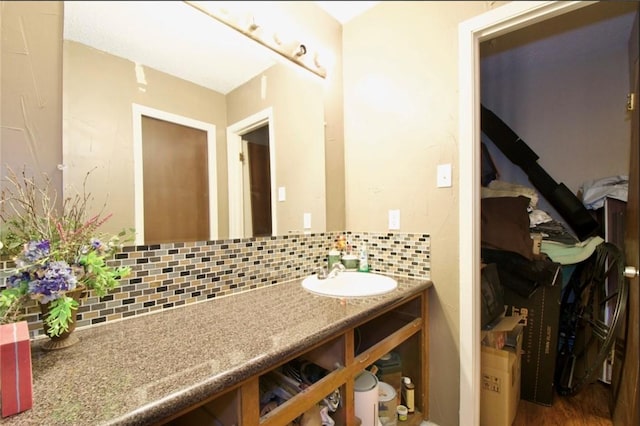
241,157
631,102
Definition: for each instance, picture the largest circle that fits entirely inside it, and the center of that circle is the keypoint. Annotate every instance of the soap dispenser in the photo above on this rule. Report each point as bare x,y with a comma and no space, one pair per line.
363,258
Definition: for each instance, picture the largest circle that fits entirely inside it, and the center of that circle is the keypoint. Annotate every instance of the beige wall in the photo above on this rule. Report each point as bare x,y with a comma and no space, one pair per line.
296,99
313,26
31,88
401,109
99,90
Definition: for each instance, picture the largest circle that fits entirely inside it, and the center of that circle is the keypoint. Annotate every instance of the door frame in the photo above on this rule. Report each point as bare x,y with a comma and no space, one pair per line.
235,132
141,110
502,20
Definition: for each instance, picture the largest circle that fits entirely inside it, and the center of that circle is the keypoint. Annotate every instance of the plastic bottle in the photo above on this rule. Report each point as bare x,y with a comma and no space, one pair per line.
408,394
334,257
363,257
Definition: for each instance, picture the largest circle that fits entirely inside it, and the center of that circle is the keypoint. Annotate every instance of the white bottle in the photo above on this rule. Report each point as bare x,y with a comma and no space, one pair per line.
363,258
408,394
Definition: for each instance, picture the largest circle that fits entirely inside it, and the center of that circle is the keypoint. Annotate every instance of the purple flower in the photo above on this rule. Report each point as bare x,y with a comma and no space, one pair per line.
17,279
95,245
51,280
34,251
98,245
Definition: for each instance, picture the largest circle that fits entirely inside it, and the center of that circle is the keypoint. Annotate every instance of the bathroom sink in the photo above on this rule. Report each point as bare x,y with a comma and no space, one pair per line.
350,284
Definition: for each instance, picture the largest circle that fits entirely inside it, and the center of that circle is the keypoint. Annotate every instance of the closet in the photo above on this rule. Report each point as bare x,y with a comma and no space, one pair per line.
561,85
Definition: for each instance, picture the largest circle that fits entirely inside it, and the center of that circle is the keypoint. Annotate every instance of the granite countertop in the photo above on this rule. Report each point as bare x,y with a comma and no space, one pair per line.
142,369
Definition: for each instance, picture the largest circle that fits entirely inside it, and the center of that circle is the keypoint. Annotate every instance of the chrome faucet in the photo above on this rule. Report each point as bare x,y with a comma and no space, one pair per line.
335,270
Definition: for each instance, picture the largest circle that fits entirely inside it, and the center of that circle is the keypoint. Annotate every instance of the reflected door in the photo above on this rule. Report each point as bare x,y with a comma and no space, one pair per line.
251,172
259,180
175,182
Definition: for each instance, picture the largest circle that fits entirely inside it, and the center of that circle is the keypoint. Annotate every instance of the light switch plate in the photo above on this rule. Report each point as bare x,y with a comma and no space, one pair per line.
394,219
444,175
307,220
282,193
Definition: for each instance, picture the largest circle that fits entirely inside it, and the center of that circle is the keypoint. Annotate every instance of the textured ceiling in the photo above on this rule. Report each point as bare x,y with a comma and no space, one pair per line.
169,36
344,11
173,37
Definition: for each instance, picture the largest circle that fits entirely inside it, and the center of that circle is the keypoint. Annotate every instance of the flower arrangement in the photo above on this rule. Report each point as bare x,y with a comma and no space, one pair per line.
56,249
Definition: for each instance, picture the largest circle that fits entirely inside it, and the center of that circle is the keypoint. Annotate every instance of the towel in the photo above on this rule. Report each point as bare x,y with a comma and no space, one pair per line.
570,254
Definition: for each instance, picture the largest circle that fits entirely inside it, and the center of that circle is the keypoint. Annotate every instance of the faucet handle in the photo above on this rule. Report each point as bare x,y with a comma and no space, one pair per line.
335,270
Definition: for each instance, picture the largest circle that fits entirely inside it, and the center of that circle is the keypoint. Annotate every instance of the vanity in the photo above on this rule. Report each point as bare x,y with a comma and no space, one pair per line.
143,359
208,359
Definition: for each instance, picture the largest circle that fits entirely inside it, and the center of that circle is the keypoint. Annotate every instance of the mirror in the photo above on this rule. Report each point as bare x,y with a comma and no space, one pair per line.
130,65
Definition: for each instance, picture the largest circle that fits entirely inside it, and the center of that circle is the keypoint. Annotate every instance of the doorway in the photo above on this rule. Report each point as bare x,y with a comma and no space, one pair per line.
497,22
251,165
175,178
564,103
257,182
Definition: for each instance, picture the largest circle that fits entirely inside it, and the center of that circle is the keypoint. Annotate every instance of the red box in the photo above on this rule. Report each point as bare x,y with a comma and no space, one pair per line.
16,384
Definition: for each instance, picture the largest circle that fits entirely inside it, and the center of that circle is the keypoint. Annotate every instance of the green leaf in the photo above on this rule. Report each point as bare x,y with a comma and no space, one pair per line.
61,314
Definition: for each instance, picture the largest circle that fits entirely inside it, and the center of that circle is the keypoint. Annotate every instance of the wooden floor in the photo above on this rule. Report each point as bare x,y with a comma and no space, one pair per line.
588,408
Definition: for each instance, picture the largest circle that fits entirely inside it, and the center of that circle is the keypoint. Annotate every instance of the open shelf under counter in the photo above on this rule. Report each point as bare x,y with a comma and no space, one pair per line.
207,358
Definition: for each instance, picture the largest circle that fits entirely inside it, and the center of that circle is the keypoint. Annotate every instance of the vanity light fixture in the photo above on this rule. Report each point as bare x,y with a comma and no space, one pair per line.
297,54
301,50
253,26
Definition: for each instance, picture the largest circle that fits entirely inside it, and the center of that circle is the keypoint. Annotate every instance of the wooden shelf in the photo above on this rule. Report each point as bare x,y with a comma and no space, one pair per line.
402,328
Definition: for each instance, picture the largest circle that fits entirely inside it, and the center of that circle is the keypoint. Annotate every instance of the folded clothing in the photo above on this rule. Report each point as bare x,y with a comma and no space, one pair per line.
555,231
568,254
504,225
595,191
498,188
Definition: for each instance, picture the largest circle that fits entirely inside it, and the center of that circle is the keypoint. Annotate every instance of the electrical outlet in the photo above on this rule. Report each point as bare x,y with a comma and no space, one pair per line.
307,220
394,219
444,175
282,193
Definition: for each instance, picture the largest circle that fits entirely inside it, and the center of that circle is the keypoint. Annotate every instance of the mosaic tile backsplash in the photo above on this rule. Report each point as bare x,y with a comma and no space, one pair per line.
170,275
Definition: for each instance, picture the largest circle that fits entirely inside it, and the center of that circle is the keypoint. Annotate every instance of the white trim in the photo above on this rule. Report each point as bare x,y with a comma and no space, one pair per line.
501,20
235,179
138,111
234,143
247,212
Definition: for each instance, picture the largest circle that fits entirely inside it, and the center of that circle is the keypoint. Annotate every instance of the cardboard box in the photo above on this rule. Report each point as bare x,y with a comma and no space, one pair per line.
16,384
500,376
541,323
